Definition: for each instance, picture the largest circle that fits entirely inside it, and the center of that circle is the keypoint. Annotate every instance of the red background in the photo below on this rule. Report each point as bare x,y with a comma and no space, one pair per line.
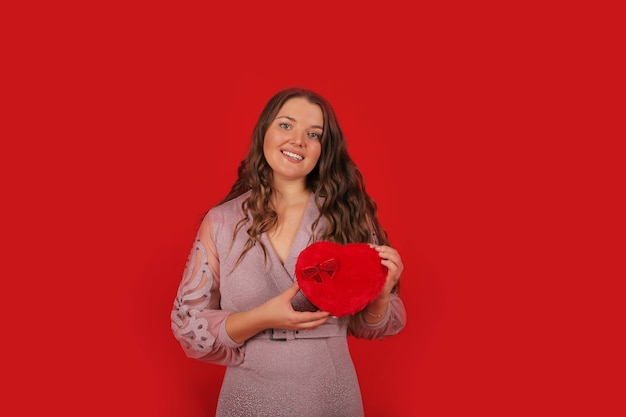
488,135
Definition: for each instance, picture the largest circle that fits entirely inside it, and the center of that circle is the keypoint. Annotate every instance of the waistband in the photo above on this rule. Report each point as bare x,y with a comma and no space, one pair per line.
325,330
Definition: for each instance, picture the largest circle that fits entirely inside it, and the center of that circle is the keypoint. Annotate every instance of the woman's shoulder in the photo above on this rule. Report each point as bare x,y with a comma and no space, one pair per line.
228,209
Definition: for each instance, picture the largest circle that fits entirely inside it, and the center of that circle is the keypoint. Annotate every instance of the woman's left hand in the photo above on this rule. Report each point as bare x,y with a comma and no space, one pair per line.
392,260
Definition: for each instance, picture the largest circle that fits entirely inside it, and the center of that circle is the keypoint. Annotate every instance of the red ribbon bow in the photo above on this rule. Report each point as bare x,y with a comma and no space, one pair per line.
326,268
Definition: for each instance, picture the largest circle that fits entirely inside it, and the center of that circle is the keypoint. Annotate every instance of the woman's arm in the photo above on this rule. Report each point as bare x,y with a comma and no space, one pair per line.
210,334
197,320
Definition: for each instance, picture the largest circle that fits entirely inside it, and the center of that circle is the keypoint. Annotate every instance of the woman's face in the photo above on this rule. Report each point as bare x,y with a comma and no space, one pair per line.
292,143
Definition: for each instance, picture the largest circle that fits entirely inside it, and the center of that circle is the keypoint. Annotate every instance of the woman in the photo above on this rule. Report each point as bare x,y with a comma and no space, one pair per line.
239,304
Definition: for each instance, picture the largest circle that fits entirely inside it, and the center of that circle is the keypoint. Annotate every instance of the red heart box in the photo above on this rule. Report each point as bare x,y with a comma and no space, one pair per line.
340,279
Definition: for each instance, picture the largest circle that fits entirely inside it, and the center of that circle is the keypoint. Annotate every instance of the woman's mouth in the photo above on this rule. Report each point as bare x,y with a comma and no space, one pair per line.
293,156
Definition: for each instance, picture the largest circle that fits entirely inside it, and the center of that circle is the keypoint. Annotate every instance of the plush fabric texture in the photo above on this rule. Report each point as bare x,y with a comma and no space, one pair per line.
340,279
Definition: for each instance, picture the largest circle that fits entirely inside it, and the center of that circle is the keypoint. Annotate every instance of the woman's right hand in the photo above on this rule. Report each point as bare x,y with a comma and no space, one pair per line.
278,313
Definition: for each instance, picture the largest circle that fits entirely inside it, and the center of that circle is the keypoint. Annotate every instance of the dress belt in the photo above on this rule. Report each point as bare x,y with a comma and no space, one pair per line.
325,330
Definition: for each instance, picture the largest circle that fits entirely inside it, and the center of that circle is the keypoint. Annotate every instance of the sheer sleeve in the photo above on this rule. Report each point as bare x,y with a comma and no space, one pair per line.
392,323
197,320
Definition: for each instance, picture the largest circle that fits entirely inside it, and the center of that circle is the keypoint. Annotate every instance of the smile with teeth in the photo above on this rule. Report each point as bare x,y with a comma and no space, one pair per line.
293,155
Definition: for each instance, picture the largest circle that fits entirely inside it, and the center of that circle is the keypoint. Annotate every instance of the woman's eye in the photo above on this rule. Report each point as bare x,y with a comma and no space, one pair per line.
285,125
314,135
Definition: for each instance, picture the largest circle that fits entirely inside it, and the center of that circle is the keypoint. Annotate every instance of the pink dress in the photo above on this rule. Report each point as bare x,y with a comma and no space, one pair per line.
277,372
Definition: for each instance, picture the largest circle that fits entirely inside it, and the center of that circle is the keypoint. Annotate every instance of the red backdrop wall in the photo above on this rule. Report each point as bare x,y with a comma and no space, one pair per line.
484,134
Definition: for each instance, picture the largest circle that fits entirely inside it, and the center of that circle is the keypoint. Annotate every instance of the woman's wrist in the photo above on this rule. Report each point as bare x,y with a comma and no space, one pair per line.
376,310
242,325
376,316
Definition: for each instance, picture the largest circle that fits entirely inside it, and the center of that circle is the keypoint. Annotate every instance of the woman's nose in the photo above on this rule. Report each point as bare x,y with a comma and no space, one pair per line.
298,138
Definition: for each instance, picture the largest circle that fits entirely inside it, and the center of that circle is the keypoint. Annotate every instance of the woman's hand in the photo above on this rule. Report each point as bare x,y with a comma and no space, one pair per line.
375,311
392,260
279,314
276,313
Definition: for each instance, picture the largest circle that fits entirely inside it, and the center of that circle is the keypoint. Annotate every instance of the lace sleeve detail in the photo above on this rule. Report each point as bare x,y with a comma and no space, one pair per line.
196,317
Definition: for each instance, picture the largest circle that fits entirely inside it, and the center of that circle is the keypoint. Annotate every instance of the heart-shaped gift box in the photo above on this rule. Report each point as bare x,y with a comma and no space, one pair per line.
340,279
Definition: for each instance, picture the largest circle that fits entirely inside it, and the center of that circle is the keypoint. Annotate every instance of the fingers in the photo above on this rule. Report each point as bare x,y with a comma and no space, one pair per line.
392,260
388,255
307,320
316,323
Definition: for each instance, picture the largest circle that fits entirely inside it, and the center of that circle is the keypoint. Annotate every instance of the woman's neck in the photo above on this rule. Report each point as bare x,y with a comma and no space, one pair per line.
287,194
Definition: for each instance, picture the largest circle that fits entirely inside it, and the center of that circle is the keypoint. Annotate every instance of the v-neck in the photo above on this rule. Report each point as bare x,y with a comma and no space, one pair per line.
302,240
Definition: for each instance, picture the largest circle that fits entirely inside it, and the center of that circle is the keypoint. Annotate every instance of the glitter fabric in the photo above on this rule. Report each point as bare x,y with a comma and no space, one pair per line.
276,373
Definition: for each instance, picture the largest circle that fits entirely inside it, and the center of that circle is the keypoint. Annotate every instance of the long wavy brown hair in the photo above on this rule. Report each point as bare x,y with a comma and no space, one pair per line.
337,182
